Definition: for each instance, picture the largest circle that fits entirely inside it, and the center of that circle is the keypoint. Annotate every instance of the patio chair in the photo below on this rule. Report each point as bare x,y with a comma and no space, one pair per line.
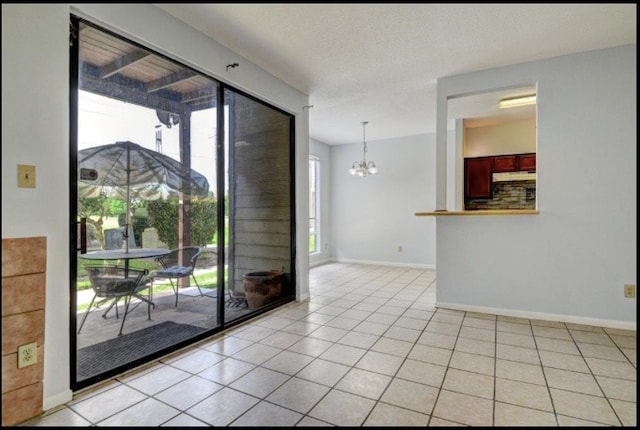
235,301
178,264
111,283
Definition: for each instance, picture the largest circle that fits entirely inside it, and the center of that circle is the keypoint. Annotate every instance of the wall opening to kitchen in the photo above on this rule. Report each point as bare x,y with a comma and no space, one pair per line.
498,150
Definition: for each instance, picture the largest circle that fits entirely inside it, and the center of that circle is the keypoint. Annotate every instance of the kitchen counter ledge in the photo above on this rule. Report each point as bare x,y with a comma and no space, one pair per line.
480,212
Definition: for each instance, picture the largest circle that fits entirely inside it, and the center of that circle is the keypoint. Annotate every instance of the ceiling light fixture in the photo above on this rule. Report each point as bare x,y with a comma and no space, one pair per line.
517,101
362,168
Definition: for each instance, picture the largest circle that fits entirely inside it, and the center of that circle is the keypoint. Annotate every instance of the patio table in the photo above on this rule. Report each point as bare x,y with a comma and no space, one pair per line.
126,255
121,254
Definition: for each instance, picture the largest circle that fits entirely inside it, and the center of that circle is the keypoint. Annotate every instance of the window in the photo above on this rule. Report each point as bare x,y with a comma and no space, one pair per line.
314,204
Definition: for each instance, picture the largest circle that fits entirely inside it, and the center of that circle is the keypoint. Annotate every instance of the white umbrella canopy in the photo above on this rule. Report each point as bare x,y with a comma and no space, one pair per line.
127,170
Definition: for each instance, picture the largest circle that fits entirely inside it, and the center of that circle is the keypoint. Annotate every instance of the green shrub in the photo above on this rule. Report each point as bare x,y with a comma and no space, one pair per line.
163,216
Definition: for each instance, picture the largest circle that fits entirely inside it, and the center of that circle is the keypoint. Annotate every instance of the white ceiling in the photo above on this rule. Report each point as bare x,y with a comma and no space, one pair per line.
380,62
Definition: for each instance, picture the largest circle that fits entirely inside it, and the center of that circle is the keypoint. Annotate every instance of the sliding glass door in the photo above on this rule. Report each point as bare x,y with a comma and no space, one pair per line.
165,158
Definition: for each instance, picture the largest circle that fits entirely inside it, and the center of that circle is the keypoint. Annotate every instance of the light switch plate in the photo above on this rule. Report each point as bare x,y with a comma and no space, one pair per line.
26,176
630,291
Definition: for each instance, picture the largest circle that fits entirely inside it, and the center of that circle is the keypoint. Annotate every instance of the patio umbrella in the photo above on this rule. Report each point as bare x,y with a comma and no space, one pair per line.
127,170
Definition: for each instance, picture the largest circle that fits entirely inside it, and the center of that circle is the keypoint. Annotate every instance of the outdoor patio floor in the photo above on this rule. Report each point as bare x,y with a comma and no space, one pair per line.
192,309
101,349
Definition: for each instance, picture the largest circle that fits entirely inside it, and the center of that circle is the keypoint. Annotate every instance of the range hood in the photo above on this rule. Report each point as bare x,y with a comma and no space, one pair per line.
514,176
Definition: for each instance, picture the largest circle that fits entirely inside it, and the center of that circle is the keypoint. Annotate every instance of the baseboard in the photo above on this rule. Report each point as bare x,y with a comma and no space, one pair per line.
624,325
385,263
320,262
57,400
303,298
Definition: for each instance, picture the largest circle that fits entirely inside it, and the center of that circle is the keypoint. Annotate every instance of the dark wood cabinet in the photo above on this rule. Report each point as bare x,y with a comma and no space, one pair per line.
527,162
505,163
478,172
477,177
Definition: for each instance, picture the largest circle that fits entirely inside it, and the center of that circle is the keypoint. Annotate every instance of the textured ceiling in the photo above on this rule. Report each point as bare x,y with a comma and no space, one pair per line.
380,62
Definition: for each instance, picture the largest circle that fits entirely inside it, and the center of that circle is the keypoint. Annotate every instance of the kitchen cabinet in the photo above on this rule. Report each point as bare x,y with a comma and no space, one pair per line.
527,162
514,163
478,172
505,163
477,177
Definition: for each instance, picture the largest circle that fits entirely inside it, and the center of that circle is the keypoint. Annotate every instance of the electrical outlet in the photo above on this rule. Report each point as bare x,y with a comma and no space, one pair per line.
399,248
27,355
630,291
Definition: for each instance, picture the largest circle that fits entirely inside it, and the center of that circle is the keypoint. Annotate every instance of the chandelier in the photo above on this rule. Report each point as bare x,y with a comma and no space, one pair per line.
362,168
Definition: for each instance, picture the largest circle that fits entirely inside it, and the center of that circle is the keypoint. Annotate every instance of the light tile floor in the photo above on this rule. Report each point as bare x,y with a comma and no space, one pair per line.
370,349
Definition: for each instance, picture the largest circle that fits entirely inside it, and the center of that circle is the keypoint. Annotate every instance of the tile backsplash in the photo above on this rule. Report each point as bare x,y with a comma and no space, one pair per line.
507,195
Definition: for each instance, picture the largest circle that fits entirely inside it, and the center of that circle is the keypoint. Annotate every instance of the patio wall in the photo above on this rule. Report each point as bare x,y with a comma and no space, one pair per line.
261,202
23,299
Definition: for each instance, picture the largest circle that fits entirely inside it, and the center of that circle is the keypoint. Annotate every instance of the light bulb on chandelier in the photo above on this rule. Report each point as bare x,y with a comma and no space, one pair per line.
362,167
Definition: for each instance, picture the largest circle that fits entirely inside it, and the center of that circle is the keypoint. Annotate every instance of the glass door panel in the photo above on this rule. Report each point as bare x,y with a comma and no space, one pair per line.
146,185
260,252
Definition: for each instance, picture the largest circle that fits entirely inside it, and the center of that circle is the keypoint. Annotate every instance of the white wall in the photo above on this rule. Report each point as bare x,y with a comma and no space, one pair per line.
35,130
372,216
323,152
515,137
571,261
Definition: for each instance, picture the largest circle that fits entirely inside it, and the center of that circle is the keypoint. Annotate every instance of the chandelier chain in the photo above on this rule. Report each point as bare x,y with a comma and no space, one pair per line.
364,141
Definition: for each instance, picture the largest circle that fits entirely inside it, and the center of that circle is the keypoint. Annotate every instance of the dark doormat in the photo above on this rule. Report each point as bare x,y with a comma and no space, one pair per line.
101,357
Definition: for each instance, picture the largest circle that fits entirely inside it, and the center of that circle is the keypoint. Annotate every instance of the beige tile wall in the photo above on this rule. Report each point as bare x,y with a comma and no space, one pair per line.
23,298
